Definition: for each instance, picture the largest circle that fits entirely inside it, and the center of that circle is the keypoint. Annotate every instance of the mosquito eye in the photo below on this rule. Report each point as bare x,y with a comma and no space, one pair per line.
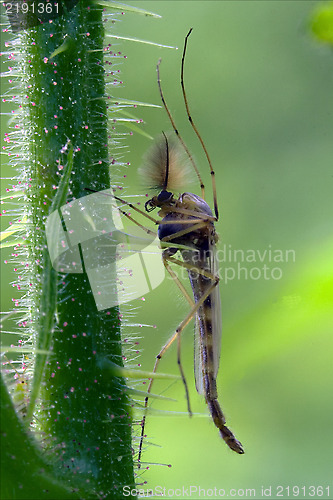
164,196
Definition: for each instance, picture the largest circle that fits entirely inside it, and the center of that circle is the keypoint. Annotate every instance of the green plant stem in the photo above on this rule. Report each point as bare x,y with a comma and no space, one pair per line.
83,412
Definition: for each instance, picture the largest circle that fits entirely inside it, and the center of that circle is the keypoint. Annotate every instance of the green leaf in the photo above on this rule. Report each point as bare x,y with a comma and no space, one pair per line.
24,471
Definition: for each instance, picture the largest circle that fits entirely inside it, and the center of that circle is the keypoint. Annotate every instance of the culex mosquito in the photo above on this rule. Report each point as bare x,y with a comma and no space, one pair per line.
186,226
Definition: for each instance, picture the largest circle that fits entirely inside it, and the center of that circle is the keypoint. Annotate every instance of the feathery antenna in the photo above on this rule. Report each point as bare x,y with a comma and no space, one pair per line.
166,162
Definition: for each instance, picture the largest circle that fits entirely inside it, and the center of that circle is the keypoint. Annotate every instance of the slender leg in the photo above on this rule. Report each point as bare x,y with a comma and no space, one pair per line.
212,173
183,374
175,336
141,212
184,231
158,358
145,229
210,389
178,282
202,219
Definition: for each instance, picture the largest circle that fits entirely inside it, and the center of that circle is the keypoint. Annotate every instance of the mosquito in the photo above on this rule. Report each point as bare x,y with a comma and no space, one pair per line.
186,227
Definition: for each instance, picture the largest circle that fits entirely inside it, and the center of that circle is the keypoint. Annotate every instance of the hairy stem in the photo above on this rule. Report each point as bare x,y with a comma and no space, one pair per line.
80,409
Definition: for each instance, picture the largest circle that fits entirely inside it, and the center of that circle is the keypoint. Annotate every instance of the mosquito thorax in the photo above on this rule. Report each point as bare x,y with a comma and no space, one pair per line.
195,203
179,215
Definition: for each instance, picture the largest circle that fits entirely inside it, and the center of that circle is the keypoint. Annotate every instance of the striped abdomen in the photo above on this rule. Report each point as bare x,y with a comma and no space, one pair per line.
208,336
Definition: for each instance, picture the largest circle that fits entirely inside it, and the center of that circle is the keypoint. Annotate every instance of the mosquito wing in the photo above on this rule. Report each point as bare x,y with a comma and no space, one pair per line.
217,314
198,374
216,326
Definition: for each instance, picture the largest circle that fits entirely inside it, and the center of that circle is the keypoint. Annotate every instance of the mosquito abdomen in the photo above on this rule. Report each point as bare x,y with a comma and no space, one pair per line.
210,388
209,379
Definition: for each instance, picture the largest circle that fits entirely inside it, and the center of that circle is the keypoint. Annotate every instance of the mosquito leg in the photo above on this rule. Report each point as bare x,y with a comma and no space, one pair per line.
175,336
202,187
145,229
141,212
209,377
212,403
183,375
191,302
157,361
212,173
190,267
178,282
183,232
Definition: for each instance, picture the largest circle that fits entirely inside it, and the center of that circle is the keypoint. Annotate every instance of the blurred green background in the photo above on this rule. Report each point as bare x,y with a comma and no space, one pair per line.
260,91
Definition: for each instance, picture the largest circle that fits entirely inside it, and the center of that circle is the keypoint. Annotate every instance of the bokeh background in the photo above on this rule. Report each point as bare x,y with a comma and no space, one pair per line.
260,91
